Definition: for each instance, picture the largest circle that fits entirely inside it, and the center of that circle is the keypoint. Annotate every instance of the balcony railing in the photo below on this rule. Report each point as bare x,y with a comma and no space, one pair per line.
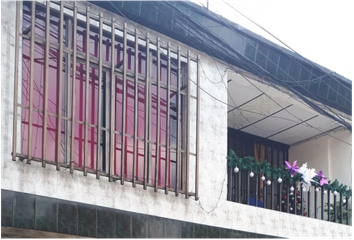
253,189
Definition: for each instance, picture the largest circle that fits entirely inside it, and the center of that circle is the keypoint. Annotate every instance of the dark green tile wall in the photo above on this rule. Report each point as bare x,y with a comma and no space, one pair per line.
46,214
86,220
23,210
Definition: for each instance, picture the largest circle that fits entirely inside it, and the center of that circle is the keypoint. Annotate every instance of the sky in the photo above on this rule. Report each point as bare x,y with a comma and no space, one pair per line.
320,30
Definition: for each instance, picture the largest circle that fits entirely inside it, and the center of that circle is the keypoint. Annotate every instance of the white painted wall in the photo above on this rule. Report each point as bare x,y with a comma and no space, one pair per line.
328,154
211,209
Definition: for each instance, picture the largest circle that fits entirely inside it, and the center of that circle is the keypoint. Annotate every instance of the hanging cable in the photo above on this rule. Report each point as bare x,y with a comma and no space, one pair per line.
231,67
258,25
225,61
261,71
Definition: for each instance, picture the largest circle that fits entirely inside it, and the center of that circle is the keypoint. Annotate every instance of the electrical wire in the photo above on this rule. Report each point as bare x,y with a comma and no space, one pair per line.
217,203
250,63
229,65
304,99
311,104
267,115
193,81
282,107
233,28
258,25
222,76
315,107
237,108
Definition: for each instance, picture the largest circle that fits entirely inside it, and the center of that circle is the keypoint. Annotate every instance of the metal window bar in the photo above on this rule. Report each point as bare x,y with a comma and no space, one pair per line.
60,73
73,89
99,111
187,137
106,80
30,117
197,132
149,107
124,101
66,92
72,57
87,43
179,79
16,71
113,95
167,161
136,94
147,94
46,80
158,112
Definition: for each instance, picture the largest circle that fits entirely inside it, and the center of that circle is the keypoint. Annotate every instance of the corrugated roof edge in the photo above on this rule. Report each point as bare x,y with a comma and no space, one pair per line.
243,30
242,55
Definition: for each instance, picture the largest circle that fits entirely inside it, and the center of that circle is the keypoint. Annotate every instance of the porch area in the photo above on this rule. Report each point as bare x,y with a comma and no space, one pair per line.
269,125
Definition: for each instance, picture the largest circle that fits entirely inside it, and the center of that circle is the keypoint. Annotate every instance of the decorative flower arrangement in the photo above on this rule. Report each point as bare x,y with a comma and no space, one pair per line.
307,174
288,174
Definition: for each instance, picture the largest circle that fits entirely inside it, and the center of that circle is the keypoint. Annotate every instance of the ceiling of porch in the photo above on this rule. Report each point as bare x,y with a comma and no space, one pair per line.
262,110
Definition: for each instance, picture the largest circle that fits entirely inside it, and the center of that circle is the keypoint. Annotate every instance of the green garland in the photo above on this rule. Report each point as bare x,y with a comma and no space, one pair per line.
248,163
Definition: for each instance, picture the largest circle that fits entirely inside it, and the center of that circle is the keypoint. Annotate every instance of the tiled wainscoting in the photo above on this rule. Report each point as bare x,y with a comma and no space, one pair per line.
22,210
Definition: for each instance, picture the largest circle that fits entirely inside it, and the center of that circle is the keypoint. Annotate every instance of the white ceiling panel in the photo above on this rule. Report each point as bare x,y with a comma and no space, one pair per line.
252,112
240,94
272,124
295,134
306,130
296,114
286,121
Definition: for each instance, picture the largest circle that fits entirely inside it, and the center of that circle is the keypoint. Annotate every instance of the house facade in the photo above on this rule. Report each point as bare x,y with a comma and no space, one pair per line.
132,140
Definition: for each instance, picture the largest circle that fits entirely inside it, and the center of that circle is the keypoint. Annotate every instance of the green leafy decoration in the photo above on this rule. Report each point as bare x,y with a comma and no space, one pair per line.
263,167
331,212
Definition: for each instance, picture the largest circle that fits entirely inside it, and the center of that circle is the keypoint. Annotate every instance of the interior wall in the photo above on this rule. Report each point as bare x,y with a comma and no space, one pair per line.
328,154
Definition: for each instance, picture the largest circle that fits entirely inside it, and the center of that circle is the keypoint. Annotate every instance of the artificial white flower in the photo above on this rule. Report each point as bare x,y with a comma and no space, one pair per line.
306,186
303,168
307,174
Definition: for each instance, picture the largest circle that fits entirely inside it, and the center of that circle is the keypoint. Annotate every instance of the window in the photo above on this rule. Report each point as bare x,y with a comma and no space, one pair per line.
121,112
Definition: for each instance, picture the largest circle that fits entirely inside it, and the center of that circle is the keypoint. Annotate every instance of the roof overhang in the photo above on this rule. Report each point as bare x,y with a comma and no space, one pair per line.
218,37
